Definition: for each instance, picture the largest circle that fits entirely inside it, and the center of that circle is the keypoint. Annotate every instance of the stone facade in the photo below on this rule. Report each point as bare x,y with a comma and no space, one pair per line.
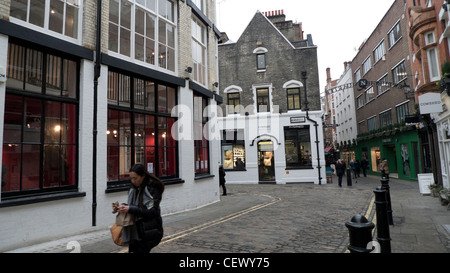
261,134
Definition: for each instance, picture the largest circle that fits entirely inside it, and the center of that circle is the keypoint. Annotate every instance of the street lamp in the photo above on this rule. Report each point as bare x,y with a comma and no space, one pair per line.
409,92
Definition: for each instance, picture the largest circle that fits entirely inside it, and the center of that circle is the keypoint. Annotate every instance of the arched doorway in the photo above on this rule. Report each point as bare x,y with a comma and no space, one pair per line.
266,162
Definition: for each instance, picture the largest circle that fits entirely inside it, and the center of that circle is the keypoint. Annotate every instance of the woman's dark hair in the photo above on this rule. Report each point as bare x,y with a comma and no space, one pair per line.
140,170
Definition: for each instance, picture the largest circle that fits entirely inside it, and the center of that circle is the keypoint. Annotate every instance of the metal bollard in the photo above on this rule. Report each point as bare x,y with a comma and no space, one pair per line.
349,177
383,236
360,234
385,186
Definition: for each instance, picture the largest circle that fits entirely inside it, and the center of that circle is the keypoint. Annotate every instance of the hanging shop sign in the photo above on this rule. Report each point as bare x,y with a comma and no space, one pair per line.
430,103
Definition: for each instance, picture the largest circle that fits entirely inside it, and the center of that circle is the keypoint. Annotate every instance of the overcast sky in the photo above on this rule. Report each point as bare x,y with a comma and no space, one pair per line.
338,28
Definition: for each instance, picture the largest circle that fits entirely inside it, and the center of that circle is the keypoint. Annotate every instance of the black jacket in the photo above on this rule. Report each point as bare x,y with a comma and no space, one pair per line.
150,225
340,168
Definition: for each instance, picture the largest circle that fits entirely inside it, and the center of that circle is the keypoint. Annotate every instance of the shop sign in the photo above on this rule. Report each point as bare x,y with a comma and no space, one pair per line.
430,103
298,120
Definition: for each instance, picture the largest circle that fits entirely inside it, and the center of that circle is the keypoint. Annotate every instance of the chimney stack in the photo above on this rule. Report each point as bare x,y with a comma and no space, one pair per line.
328,75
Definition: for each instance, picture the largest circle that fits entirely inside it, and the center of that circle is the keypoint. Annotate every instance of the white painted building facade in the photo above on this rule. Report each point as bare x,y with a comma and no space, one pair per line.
49,190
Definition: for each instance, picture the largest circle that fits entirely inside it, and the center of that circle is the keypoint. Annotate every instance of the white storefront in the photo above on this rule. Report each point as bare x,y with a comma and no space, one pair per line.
442,121
273,148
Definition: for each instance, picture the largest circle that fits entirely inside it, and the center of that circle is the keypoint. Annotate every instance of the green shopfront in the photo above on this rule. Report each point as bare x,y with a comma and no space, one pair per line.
400,147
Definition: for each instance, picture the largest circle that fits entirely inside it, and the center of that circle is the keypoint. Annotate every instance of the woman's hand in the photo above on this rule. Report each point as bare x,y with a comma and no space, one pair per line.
123,209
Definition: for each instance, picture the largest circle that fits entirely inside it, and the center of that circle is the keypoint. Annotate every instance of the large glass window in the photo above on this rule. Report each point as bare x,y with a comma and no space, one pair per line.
298,147
151,38
233,150
139,127
201,137
62,14
40,133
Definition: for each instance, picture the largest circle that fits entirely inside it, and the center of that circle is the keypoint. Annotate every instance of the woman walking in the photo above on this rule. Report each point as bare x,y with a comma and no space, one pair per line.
144,198
340,170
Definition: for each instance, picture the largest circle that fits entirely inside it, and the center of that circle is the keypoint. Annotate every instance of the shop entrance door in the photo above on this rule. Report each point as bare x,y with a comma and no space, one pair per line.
266,162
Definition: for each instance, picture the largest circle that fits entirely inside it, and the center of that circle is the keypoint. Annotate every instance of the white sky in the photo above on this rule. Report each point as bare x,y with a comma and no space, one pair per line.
338,28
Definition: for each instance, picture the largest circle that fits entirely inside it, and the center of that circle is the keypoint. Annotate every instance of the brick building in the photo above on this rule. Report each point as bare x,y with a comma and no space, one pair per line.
76,114
270,132
429,34
382,104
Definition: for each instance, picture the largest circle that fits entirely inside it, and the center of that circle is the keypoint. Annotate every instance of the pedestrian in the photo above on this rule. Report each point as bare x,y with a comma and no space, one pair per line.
384,168
364,165
222,179
358,167
144,199
340,170
353,167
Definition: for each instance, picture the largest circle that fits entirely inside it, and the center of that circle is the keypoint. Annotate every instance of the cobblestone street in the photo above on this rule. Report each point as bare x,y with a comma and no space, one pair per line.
295,218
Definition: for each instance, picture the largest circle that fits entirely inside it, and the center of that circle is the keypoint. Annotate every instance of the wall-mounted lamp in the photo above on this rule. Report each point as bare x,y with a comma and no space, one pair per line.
216,84
188,69
409,92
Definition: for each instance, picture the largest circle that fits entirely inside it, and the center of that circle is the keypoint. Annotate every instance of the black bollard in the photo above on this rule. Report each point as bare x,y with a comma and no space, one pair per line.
349,177
383,236
385,186
360,234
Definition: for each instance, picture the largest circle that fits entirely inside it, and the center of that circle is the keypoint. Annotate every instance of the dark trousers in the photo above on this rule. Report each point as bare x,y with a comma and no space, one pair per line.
224,189
138,247
340,175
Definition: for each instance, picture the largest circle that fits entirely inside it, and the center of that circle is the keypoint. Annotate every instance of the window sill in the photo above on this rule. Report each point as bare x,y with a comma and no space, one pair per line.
40,198
203,176
300,168
236,170
126,185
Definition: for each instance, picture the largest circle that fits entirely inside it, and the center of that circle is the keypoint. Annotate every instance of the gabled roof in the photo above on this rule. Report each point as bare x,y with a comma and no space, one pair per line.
266,20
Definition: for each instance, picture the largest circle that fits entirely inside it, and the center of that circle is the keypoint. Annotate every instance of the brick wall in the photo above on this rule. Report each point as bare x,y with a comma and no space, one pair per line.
237,65
394,55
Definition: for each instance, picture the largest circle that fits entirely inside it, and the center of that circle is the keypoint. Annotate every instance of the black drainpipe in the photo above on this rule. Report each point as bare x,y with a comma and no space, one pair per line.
315,125
94,131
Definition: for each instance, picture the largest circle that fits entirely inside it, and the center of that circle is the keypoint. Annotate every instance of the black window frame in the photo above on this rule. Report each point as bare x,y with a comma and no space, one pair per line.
156,112
31,195
292,133
265,99
293,96
236,101
261,61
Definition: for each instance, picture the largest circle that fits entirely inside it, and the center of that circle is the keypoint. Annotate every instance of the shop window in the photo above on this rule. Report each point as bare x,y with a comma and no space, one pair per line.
233,150
40,133
201,137
375,157
298,147
139,128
